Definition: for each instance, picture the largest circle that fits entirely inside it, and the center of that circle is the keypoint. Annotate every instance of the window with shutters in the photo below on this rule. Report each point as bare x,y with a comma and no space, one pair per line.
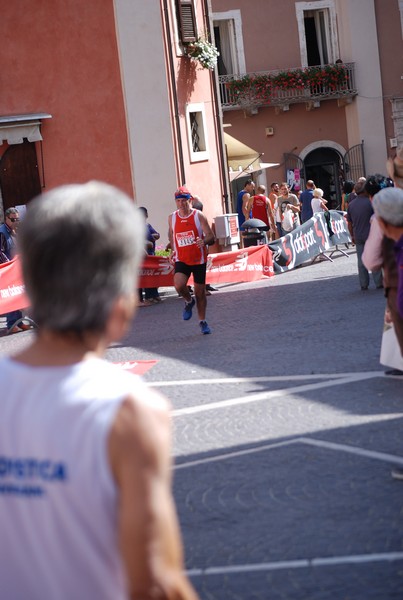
229,42
317,28
197,133
186,18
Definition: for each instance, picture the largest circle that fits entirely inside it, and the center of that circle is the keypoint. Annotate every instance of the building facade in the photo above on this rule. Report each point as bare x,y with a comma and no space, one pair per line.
105,89
315,86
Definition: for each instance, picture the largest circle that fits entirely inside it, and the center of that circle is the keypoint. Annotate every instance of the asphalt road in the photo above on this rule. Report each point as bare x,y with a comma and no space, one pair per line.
285,433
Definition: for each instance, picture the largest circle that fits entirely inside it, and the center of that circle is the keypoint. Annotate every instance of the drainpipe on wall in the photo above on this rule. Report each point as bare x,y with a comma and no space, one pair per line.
174,94
217,108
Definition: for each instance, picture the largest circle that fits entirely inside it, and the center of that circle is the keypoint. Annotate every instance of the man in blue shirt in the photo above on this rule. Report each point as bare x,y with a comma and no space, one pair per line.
243,201
306,200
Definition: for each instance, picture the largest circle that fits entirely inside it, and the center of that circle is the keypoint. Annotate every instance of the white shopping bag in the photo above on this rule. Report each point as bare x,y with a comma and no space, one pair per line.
390,350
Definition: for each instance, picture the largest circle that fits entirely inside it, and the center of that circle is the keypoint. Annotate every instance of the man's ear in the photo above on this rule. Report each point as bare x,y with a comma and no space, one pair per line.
120,317
384,226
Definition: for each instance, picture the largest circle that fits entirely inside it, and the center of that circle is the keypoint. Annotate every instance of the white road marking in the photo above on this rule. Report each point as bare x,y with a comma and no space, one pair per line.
390,458
372,454
298,564
335,379
269,395
206,380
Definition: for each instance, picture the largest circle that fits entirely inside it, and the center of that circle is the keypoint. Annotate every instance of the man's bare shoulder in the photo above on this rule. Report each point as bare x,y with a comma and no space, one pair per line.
141,430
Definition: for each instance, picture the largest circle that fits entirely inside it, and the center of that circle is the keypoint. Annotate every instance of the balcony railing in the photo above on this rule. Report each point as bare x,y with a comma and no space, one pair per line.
291,86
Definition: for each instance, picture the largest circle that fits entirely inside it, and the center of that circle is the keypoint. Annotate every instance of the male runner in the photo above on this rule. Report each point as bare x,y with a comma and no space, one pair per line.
189,235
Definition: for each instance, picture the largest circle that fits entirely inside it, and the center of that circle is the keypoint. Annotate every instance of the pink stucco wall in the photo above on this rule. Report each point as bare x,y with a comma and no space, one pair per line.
293,131
61,58
270,33
194,85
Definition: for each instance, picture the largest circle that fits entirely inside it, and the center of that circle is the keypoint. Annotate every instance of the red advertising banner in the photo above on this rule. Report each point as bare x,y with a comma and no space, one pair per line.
137,367
12,288
247,264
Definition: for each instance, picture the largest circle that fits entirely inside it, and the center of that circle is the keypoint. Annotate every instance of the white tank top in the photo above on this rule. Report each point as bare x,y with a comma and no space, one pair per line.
58,500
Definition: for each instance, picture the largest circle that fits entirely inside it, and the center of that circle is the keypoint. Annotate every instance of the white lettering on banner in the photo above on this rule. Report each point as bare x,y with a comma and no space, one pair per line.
185,238
12,290
338,226
304,241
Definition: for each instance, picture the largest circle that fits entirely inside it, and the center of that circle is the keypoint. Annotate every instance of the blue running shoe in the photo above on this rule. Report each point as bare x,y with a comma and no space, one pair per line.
205,329
187,311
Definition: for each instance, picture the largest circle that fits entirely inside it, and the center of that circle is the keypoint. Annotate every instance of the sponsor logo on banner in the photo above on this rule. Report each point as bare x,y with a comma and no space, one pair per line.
309,240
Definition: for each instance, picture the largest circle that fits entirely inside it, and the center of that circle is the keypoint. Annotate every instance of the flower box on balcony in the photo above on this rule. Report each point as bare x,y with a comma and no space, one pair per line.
295,84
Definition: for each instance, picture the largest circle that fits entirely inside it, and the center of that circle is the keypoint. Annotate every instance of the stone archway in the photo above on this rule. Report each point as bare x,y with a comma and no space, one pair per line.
324,166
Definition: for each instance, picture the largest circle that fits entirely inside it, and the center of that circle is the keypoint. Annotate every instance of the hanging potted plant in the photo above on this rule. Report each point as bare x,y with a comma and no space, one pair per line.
203,52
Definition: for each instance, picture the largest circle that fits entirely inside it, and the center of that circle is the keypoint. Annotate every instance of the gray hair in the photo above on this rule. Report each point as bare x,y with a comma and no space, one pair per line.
81,246
11,211
359,186
318,193
388,205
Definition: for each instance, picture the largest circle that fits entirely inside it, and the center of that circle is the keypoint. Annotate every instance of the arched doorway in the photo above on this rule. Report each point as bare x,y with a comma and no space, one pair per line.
324,167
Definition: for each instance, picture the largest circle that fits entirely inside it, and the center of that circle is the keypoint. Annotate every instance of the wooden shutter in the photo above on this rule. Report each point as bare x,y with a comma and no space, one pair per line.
187,21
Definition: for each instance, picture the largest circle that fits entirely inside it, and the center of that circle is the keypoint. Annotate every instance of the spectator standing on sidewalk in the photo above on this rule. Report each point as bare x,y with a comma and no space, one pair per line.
274,192
197,203
287,201
378,254
189,235
151,295
318,204
306,201
86,505
243,202
388,207
261,208
8,235
348,187
359,213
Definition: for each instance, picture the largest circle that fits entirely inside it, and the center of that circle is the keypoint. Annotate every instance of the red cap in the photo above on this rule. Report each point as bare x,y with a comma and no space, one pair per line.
183,192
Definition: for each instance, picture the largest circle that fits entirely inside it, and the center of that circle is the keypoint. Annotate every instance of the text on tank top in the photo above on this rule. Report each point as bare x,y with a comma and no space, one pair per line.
185,232
259,210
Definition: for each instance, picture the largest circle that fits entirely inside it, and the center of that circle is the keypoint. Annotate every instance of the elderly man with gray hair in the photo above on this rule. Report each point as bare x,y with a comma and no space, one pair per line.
388,207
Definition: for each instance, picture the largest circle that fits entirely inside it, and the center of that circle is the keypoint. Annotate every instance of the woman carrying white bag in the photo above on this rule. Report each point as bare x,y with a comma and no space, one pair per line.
379,253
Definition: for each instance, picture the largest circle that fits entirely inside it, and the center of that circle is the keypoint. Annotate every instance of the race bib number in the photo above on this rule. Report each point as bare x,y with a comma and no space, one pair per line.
186,238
